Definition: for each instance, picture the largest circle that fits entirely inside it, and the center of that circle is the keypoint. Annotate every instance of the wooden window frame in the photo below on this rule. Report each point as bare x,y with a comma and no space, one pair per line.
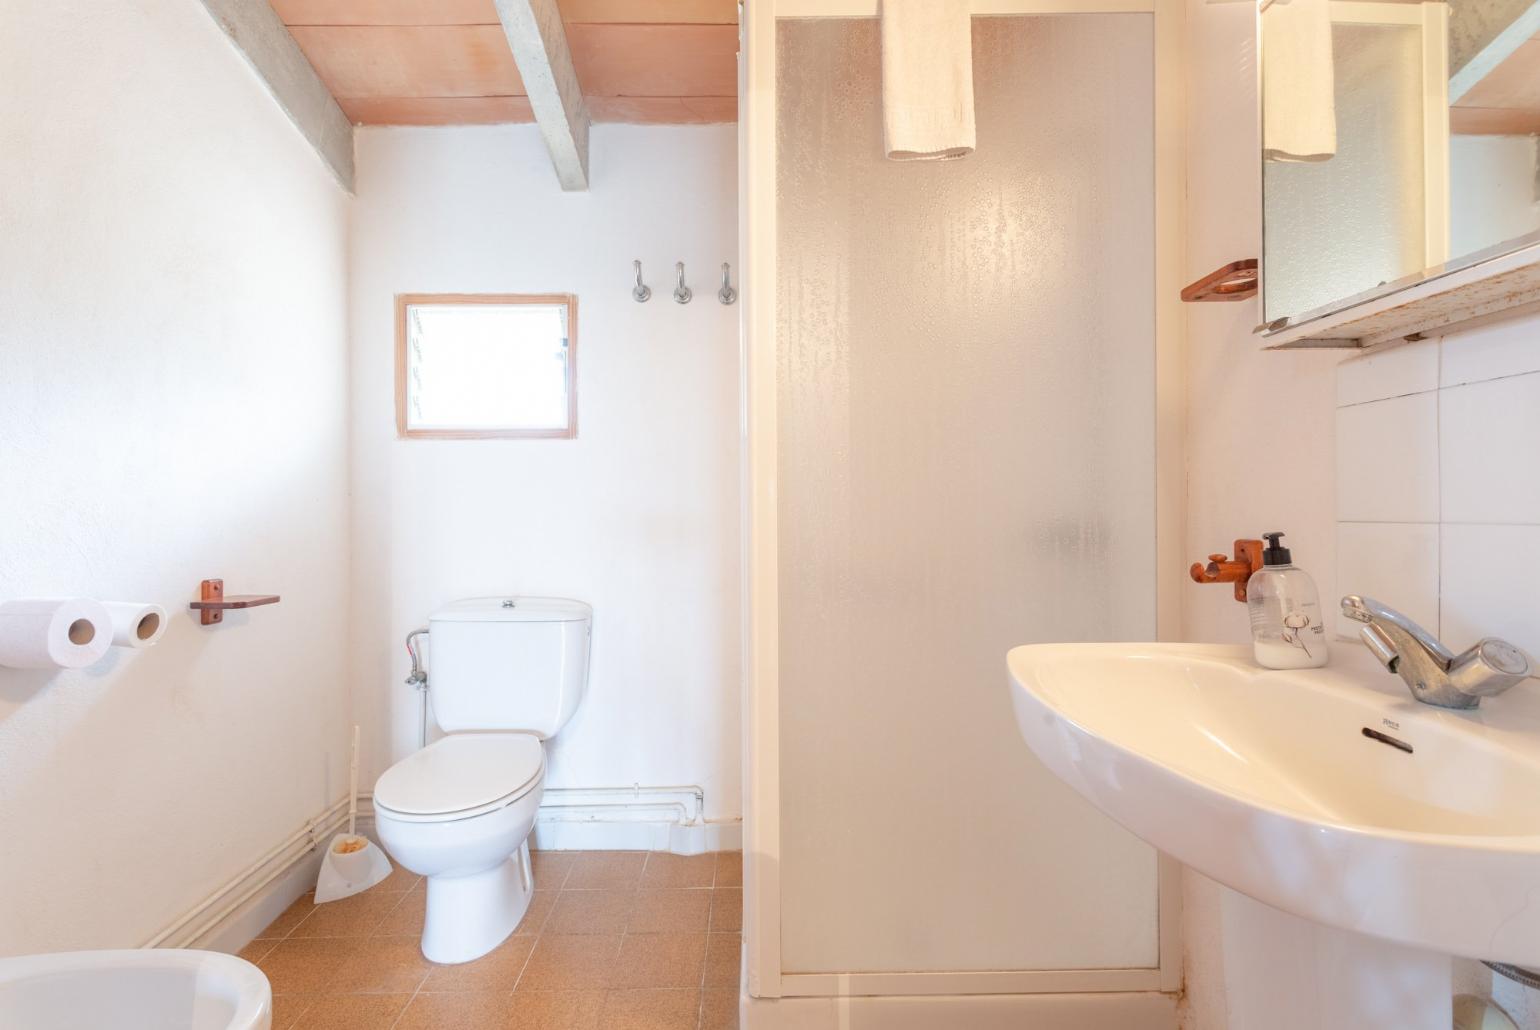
406,300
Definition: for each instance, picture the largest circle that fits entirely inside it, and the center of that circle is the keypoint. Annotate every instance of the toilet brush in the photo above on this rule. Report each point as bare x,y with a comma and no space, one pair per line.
352,863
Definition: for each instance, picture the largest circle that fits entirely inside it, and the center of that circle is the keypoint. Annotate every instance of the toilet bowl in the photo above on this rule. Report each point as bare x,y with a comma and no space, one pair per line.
459,813
507,673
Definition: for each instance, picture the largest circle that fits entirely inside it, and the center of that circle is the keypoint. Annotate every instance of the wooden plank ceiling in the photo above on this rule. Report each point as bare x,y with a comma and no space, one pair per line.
447,62
1506,102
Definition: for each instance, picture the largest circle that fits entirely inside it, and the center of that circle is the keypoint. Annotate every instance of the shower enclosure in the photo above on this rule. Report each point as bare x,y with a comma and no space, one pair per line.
962,432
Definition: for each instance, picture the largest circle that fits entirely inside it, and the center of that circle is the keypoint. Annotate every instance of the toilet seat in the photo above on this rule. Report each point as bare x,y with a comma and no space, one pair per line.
461,776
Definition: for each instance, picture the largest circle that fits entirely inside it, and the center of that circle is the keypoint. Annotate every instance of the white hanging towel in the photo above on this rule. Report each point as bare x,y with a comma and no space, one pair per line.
927,79
1299,111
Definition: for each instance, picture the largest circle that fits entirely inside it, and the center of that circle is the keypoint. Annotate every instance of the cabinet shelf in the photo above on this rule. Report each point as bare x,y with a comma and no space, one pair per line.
1476,290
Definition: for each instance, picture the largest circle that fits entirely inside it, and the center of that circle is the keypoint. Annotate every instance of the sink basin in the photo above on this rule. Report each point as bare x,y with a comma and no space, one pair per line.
1317,791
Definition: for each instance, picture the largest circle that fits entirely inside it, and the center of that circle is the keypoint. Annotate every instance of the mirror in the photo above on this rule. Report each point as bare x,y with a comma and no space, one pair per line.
1397,137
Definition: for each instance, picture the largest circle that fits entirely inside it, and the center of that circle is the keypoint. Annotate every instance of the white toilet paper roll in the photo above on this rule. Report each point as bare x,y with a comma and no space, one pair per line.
58,633
135,623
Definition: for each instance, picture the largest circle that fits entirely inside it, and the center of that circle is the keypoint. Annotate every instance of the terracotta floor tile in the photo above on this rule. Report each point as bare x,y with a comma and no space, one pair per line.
287,1008
729,869
726,910
723,959
591,912
651,1010
576,962
556,1010
400,879
461,1010
353,1012
290,917
407,916
384,965
497,970
551,868
606,870
670,910
256,949
356,916
661,960
665,870
539,911
719,1010
355,964
306,966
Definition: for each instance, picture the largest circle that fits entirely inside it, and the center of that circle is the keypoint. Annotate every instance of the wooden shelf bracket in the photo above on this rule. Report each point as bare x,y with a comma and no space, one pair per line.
1235,281
212,601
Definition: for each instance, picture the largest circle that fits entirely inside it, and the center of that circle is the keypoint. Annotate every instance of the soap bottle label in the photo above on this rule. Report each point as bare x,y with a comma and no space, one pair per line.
1288,622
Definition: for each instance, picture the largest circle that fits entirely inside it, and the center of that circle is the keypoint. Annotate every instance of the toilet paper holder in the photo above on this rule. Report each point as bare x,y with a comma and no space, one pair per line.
212,601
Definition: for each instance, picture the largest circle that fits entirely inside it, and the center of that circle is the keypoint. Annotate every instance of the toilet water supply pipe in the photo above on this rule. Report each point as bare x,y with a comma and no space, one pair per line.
419,679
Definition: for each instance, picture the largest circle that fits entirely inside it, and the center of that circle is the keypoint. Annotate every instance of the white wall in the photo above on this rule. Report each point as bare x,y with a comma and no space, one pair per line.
1259,425
1445,525
172,279
638,515
1259,432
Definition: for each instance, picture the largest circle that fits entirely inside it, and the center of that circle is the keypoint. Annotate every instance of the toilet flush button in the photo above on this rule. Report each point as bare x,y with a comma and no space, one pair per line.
508,604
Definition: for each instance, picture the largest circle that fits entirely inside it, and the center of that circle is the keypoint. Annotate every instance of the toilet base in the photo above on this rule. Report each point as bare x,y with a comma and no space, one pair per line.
468,916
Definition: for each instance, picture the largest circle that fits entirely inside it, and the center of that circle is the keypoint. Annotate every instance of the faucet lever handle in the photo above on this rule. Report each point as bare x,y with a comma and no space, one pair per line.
1490,668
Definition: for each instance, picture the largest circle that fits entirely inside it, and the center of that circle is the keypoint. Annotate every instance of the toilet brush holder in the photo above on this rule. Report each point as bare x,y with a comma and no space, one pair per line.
352,863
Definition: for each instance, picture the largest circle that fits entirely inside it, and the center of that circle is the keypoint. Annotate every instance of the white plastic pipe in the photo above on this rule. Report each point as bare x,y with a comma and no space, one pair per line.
307,838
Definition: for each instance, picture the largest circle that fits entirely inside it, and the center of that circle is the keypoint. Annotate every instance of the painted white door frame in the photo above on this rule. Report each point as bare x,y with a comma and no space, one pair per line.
757,170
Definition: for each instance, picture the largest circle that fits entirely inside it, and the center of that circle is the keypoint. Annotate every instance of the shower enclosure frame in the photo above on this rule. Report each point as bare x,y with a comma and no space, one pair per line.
759,430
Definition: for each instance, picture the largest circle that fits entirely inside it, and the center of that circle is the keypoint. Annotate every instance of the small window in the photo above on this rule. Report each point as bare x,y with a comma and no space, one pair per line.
486,365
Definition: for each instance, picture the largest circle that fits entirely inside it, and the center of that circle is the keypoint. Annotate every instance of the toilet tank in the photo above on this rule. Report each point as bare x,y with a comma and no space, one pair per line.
508,663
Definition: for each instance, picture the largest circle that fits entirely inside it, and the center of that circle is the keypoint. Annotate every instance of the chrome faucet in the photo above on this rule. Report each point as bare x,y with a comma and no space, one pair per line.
1434,674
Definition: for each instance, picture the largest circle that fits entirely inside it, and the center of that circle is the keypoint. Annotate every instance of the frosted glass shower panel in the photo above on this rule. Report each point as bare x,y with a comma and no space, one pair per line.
966,389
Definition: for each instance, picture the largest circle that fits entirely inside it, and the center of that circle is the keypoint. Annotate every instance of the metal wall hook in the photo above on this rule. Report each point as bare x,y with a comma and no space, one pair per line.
642,293
682,293
727,294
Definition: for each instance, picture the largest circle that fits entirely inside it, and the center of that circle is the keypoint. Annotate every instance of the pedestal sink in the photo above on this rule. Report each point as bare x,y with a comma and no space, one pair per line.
1328,793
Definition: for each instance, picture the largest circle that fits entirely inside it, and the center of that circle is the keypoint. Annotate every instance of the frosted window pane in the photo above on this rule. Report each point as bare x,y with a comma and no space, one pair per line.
487,366
1339,227
966,390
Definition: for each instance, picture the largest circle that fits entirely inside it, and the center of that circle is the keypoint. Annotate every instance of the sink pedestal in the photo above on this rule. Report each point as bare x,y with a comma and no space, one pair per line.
1282,972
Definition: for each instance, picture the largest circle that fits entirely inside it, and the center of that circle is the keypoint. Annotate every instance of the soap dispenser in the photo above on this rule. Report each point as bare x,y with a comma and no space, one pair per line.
1286,627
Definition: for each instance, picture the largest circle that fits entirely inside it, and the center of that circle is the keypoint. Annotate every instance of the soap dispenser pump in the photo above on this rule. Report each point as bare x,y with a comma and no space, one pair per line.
1286,627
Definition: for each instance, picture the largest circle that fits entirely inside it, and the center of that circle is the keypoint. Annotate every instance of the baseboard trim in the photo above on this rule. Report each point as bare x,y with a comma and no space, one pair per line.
1132,1011
230,917
234,913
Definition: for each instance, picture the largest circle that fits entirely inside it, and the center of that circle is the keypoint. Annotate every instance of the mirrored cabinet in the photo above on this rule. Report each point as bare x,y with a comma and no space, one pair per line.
1399,166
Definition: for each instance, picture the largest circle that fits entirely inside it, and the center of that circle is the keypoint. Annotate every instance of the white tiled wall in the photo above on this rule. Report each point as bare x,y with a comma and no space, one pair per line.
1438,482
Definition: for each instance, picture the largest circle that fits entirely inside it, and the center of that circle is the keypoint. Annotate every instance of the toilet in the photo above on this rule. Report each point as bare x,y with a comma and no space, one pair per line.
507,674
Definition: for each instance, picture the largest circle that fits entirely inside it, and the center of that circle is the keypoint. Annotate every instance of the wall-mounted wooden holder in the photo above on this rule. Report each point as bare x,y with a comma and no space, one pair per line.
212,601
1224,569
1235,281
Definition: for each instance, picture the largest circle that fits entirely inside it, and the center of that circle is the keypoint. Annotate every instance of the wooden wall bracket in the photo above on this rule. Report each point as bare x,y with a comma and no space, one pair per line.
1224,569
212,601
1235,281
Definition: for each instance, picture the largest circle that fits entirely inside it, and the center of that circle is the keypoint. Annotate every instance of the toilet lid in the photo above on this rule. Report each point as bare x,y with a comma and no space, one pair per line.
461,771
